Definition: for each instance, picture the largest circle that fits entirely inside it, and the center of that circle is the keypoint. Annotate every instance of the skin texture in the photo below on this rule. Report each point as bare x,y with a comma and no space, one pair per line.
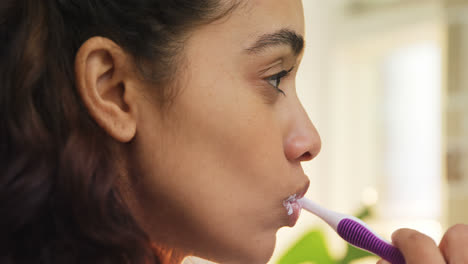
207,173
211,170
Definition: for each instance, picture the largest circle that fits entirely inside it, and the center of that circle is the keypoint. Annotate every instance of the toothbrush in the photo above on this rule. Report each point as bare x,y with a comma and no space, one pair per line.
356,232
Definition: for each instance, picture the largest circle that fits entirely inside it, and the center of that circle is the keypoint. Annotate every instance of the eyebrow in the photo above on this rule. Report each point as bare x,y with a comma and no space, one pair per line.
279,38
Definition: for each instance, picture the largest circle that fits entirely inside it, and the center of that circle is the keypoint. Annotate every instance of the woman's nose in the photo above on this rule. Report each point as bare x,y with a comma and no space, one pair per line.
302,142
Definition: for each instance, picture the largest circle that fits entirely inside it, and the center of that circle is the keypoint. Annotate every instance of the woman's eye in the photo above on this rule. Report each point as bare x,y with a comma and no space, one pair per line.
275,80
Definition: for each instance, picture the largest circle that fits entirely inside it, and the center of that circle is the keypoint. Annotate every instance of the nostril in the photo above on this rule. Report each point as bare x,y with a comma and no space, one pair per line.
306,156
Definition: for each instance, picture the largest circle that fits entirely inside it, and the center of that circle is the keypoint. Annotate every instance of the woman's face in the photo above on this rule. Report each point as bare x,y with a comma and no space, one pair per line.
215,167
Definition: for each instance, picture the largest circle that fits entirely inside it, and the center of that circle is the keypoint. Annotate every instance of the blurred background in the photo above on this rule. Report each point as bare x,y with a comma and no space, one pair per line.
386,84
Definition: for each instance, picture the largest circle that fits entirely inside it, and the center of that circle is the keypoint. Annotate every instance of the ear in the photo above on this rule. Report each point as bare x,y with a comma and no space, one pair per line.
103,80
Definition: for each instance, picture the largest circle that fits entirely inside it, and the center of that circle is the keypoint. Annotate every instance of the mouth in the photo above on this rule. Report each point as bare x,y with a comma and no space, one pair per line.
293,208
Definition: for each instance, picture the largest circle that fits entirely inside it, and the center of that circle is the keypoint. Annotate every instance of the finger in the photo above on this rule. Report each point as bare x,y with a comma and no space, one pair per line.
417,247
454,243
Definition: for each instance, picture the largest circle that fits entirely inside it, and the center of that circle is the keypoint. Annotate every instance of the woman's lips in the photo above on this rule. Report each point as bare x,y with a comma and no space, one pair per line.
293,208
296,212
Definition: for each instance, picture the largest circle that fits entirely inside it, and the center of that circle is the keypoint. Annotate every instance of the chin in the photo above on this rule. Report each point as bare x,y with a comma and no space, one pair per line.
257,253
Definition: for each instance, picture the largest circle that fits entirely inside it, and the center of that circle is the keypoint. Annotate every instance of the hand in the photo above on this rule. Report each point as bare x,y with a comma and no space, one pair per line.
418,248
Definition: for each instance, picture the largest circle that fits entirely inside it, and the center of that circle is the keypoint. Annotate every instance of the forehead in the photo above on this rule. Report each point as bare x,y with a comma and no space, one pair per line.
271,14
227,39
252,19
263,16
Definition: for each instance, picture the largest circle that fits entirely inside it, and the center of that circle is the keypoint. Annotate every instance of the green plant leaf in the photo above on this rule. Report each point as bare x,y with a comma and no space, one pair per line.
364,213
311,248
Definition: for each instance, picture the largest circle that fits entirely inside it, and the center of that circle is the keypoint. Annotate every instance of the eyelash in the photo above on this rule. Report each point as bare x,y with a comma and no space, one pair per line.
277,79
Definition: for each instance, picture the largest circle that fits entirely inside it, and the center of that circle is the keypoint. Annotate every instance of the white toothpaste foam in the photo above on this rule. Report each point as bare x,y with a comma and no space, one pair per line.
287,204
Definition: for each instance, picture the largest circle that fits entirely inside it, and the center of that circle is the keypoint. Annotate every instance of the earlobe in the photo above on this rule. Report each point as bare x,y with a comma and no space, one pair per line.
103,84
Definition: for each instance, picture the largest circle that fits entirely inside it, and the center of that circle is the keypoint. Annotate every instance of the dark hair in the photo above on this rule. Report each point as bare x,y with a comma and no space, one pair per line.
59,200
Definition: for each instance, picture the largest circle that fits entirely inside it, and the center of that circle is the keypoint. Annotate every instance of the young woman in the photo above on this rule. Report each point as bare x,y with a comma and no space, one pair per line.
144,131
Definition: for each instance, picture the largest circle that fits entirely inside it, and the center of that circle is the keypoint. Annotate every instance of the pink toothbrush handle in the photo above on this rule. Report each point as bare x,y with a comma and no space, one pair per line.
361,237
